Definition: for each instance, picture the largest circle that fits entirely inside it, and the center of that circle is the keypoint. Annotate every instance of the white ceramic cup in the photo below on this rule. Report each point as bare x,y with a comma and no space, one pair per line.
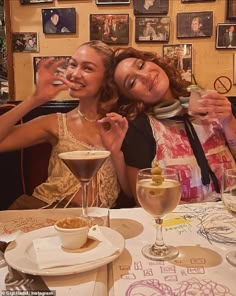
73,232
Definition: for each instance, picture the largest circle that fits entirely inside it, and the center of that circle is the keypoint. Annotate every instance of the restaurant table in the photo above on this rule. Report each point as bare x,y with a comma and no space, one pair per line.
204,233
90,283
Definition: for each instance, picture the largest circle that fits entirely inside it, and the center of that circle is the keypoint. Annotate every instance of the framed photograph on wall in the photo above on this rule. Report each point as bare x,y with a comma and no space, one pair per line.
25,42
60,70
181,56
200,1
231,10
25,2
234,68
114,2
194,24
151,7
59,20
152,29
226,36
110,28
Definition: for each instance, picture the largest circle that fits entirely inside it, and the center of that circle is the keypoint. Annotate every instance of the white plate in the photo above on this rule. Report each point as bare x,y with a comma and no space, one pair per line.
20,254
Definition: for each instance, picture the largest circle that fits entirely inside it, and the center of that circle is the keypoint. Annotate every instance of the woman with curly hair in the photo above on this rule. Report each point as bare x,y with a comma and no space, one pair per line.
161,131
89,78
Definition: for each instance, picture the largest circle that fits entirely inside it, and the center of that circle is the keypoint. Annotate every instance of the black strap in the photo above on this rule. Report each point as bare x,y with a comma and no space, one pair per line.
206,171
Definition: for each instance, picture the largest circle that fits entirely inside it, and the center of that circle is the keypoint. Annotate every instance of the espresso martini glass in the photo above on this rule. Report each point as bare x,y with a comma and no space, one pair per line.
84,165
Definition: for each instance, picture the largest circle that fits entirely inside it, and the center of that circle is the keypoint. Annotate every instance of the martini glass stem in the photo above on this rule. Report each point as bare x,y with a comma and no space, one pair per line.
159,246
84,186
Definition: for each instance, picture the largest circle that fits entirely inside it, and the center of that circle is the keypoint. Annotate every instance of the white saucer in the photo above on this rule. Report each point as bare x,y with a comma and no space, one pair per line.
20,254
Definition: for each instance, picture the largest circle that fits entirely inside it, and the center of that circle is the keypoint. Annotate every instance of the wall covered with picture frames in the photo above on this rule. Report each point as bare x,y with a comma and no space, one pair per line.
208,62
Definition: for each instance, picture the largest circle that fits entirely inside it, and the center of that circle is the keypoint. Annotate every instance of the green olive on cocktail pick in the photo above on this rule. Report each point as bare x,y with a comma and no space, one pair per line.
156,171
158,179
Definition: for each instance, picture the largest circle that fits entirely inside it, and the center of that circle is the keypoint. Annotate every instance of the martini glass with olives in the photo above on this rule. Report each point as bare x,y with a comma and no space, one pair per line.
158,192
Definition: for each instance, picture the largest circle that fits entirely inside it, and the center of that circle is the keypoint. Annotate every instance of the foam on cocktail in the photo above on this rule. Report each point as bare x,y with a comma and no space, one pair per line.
84,154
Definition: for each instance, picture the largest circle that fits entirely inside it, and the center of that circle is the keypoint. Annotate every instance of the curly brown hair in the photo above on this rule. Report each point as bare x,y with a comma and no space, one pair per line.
109,93
178,86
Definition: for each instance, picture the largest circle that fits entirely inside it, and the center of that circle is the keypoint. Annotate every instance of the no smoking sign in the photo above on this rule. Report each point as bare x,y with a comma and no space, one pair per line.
223,84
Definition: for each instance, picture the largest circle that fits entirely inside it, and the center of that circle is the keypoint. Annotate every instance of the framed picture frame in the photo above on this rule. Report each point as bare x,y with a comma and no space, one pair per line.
110,28
181,56
150,7
194,24
112,2
25,2
234,80
60,71
59,21
231,10
197,1
25,42
152,29
226,36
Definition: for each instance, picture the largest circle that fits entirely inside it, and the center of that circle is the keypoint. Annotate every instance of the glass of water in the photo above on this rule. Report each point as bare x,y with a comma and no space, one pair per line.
229,200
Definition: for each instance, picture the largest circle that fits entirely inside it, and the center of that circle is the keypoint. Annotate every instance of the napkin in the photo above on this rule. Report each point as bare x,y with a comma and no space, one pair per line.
49,252
8,237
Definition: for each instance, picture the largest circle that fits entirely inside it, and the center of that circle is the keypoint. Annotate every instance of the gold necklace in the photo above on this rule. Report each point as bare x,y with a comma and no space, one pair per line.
85,117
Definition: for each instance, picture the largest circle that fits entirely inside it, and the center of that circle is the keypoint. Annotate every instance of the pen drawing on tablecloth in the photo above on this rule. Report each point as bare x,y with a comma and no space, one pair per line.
193,271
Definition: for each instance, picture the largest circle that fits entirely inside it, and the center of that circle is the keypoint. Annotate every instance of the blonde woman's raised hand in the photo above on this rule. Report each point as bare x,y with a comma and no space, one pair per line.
113,129
50,81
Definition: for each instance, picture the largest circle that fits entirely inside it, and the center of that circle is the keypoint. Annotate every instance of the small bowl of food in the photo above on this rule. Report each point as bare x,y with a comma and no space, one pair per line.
73,232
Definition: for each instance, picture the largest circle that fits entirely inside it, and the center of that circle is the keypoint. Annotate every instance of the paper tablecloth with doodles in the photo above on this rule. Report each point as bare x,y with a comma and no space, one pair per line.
203,233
